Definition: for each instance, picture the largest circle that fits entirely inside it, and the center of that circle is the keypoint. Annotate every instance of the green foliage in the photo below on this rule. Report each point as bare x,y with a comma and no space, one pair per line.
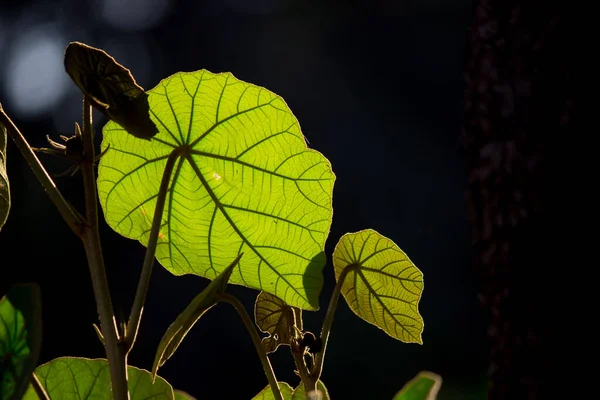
383,286
244,182
20,338
276,318
4,187
186,320
181,395
70,378
292,394
425,386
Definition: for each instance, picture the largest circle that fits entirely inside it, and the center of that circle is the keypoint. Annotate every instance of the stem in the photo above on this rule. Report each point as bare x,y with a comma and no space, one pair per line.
142,289
309,383
264,359
117,357
66,211
320,357
39,389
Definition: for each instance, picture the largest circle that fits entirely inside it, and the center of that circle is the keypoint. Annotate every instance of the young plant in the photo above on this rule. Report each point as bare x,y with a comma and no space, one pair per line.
214,177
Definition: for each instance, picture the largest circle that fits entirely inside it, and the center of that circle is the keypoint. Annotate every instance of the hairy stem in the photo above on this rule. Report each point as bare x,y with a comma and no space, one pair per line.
142,289
320,356
117,357
66,211
264,359
307,380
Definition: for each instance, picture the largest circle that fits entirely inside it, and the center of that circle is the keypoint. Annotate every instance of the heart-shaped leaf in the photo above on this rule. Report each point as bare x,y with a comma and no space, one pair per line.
20,338
425,386
81,378
192,313
381,284
267,393
4,187
110,87
244,182
280,321
300,394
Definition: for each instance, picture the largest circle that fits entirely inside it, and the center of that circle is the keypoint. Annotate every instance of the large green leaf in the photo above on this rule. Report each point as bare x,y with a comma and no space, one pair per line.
71,378
4,187
382,285
267,393
281,321
192,313
245,181
20,338
425,386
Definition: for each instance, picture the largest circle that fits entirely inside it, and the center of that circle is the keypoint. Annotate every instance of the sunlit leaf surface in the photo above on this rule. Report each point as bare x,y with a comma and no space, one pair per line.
267,393
71,378
425,386
383,286
276,318
244,181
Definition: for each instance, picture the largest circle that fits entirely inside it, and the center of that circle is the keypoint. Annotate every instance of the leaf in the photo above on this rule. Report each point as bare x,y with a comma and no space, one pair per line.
192,313
4,186
267,393
181,395
276,318
71,378
244,182
425,386
300,394
20,338
382,285
111,88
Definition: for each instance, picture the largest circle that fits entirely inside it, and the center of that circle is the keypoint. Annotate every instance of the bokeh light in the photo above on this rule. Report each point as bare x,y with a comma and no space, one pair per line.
133,15
34,78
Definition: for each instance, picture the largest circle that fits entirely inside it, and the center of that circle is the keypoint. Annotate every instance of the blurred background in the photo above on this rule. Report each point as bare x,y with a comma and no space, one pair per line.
378,88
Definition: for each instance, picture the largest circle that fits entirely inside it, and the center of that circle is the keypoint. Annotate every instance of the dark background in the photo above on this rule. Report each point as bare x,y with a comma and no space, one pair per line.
378,89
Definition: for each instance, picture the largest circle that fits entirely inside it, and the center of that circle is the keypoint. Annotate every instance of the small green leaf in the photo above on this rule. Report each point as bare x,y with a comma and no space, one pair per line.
276,318
267,393
192,313
244,181
111,88
300,394
181,395
425,386
4,186
20,338
382,285
71,378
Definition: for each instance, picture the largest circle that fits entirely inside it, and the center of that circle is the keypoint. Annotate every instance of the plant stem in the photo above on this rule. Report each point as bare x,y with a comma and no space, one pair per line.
142,289
264,359
39,389
117,357
309,383
66,211
320,357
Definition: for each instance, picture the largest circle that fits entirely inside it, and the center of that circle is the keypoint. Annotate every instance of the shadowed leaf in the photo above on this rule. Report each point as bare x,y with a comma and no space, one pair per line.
72,378
181,395
244,181
425,386
276,318
192,313
20,338
382,285
111,88
4,187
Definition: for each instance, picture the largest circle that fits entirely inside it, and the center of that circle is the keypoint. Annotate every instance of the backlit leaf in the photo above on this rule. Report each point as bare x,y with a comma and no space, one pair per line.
192,313
71,378
267,393
20,338
425,386
110,87
244,181
276,318
4,187
382,285
300,394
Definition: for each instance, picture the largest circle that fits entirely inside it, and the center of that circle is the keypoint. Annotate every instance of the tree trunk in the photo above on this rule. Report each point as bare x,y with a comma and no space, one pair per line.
519,101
